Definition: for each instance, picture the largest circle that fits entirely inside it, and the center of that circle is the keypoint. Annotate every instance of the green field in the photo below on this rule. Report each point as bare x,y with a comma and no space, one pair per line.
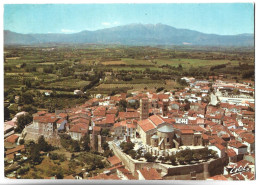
114,69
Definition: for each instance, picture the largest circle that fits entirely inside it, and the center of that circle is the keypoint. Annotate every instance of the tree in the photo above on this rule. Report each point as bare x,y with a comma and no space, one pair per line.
149,157
6,113
22,121
122,105
75,146
196,156
26,98
133,154
172,158
85,140
105,146
35,154
43,145
159,89
127,146
105,132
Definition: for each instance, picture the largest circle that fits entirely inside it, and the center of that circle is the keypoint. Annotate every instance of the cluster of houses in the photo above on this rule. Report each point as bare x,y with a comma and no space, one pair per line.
164,120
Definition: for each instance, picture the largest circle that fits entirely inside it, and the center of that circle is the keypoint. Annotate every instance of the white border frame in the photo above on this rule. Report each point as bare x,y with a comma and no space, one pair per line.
181,182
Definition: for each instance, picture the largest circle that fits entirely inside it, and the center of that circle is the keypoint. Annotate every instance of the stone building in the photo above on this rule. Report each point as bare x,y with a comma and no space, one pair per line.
45,125
96,140
144,107
165,107
155,132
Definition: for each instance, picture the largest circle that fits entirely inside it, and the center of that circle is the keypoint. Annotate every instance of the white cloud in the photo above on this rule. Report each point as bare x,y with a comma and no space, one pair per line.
67,31
106,23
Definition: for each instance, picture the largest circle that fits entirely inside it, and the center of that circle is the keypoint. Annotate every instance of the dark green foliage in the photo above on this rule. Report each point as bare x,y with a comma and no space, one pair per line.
122,105
23,170
182,82
248,74
134,105
22,121
105,146
92,160
69,144
55,156
34,154
127,146
85,142
6,113
217,67
75,146
30,109
108,153
43,145
21,141
159,89
149,157
186,156
26,98
105,132
133,154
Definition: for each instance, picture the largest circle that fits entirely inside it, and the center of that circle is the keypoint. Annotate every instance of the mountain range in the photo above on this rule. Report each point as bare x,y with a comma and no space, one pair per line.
132,34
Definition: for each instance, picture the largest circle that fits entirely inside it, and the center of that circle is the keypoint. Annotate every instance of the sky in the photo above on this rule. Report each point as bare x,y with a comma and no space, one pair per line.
223,19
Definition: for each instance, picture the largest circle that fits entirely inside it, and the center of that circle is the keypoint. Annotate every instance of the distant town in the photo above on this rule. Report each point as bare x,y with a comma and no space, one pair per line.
203,131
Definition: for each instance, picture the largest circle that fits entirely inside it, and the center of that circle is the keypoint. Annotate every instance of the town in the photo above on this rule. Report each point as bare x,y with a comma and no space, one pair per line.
204,131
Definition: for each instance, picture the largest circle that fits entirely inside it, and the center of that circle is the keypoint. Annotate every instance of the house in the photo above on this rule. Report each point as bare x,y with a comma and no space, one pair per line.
12,138
148,174
45,125
220,149
78,92
114,161
78,130
232,156
18,149
238,147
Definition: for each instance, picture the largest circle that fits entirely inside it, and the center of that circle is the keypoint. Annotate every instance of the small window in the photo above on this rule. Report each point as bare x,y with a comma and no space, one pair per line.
168,140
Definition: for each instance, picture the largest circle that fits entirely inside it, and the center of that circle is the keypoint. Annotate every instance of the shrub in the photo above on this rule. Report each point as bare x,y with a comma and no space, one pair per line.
149,157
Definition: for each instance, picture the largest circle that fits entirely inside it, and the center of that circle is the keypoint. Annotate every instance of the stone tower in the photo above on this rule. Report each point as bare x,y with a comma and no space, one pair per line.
165,107
144,108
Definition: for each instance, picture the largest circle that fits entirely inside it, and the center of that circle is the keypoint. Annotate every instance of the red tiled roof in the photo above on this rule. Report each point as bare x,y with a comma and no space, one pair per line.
157,120
220,146
96,129
12,138
62,115
150,174
81,120
79,128
205,136
110,118
99,113
146,125
231,153
46,119
186,131
16,149
120,124
236,144
114,160
128,115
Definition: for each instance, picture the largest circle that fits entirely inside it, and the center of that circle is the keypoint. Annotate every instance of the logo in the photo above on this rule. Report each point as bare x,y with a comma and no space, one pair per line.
239,170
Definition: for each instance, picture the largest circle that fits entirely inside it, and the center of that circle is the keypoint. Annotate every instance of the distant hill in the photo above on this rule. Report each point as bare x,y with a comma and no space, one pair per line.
133,34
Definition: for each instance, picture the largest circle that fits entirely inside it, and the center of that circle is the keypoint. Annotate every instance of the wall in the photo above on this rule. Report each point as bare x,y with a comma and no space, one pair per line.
187,139
202,170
